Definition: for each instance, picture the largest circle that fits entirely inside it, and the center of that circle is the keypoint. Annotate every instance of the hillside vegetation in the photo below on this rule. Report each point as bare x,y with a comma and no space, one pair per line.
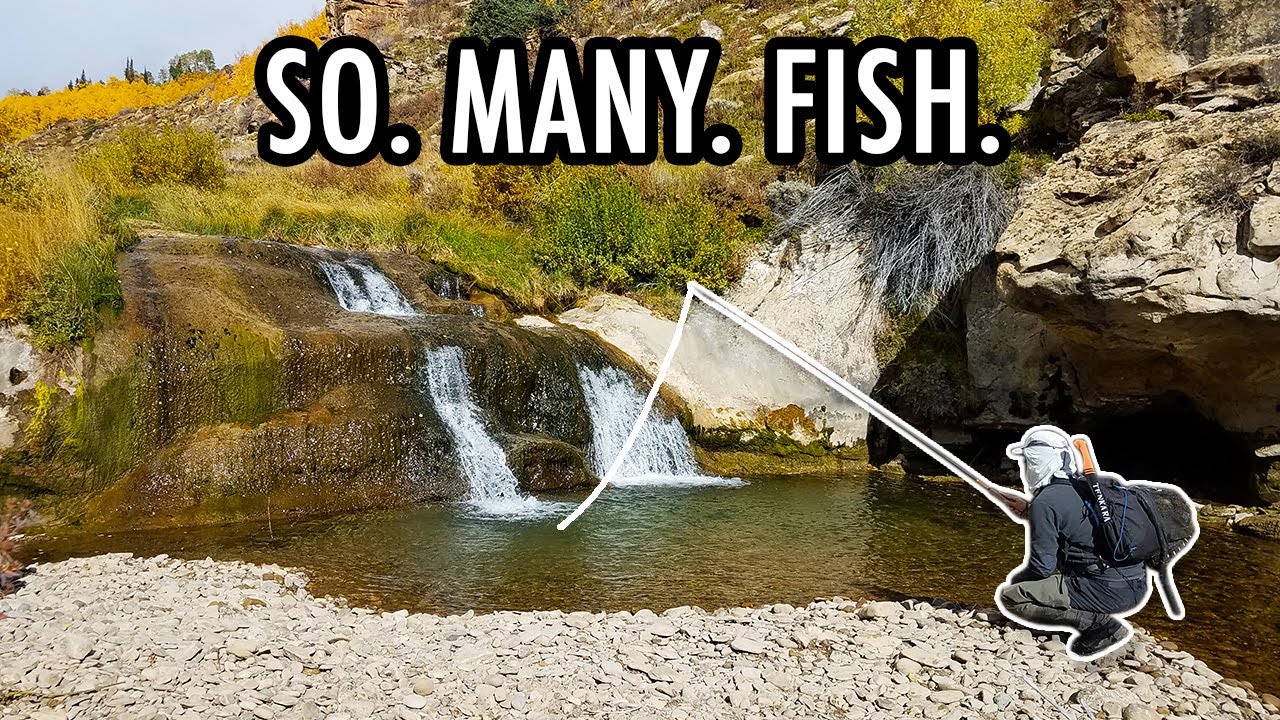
538,237
23,115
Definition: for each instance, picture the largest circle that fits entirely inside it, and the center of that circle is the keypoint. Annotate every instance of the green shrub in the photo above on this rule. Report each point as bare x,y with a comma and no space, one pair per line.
596,228
19,180
77,284
689,239
489,19
592,221
1151,114
140,158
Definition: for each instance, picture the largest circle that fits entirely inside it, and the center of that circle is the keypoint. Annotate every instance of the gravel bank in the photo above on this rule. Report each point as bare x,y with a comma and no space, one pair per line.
122,637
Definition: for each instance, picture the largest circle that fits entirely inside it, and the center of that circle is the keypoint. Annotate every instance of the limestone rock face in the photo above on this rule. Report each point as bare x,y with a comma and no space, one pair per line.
1080,85
1019,373
1148,252
22,368
1190,52
1155,39
728,380
234,382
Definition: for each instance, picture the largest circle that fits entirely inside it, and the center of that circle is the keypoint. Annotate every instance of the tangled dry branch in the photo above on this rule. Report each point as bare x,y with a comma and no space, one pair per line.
918,231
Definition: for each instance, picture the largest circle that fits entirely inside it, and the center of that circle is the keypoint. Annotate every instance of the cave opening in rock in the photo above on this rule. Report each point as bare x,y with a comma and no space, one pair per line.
1170,441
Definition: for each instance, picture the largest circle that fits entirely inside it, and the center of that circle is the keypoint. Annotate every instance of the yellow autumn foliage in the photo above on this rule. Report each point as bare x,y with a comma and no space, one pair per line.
23,115
240,83
1011,43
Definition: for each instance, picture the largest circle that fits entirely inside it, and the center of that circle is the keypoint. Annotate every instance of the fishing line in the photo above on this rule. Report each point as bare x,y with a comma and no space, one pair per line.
990,490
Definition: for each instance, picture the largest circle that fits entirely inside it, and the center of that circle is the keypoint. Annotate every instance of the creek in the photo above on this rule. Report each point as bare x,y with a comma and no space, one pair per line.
772,540
668,534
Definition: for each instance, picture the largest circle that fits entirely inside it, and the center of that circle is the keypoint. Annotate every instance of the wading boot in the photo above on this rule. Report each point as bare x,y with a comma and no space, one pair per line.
1101,638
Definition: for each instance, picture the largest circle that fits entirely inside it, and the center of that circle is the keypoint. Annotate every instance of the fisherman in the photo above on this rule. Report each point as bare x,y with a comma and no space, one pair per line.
1064,584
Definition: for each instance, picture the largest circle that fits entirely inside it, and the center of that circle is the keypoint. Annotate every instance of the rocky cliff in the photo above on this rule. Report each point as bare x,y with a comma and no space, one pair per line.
1137,290
1120,56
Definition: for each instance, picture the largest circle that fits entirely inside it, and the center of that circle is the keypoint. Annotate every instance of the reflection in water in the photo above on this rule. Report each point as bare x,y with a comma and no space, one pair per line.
774,540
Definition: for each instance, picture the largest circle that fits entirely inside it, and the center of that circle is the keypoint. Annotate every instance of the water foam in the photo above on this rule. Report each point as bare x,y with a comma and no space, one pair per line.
661,454
494,489
362,288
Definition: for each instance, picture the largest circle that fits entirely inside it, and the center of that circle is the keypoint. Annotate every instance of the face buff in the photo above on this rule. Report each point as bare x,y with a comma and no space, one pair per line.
1041,455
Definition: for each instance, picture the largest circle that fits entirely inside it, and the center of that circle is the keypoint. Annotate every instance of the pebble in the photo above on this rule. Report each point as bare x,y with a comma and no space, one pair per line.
181,640
1136,711
78,647
907,666
242,648
747,645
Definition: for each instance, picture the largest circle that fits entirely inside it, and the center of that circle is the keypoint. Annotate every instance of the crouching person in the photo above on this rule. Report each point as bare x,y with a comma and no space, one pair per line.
1063,585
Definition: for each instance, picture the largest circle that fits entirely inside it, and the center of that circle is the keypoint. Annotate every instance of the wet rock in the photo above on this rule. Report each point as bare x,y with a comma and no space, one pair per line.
274,394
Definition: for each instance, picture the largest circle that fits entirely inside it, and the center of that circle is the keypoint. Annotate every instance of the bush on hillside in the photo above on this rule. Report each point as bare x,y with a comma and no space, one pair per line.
1012,38
596,228
77,283
506,192
689,239
19,180
140,158
489,19
591,223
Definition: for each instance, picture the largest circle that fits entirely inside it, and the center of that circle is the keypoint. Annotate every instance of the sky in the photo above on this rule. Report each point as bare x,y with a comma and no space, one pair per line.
48,42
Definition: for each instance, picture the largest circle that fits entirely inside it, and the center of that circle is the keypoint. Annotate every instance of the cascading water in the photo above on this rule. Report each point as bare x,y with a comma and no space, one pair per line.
494,488
661,454
362,288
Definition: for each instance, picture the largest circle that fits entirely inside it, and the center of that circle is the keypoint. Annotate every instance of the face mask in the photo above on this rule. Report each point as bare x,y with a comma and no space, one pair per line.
1039,465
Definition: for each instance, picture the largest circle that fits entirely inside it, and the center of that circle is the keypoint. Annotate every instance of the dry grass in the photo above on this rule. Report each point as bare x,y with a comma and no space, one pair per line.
365,208
33,238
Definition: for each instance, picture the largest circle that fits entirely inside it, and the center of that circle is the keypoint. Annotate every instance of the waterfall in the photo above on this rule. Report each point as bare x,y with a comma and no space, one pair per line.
661,454
362,288
494,489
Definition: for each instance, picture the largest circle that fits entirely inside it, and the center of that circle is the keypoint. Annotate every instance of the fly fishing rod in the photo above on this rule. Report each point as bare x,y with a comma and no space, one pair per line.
1003,497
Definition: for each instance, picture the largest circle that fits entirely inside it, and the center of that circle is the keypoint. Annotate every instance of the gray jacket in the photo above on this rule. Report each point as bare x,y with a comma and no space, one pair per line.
1062,540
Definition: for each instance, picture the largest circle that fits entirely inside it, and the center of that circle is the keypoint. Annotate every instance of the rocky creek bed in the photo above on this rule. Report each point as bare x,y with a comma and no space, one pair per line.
120,636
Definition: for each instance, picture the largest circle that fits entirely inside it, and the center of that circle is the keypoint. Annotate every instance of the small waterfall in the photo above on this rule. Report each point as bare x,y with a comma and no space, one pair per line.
448,287
494,489
661,454
362,288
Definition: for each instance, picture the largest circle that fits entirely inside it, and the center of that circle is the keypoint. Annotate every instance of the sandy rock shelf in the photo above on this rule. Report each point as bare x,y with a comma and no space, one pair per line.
118,636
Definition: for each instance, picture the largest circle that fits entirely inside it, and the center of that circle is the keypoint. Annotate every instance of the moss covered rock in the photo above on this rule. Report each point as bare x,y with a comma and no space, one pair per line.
234,385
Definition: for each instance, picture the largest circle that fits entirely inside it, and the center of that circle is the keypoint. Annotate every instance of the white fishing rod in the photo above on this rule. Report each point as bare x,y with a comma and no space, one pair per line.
995,493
